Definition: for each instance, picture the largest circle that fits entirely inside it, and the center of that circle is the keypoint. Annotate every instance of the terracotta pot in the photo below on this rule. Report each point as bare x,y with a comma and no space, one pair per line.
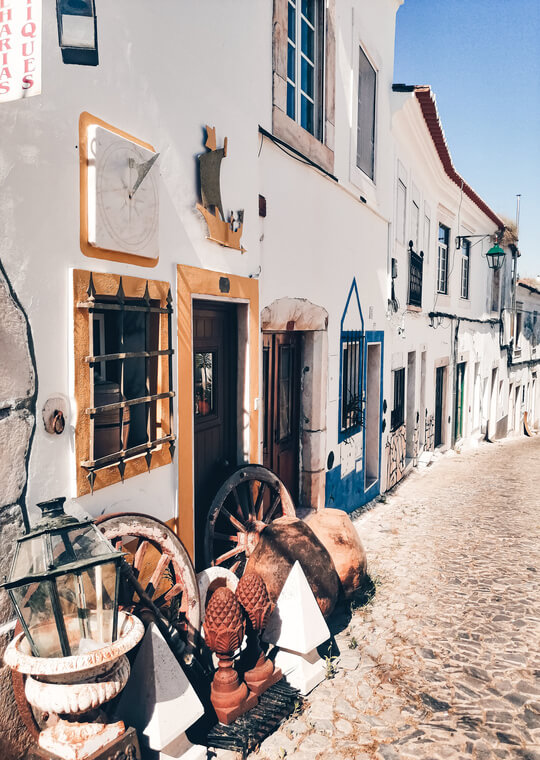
281,544
335,531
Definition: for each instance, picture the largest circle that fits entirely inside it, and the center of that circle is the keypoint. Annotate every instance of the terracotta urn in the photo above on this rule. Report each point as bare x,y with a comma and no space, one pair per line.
253,597
335,531
74,689
281,544
224,628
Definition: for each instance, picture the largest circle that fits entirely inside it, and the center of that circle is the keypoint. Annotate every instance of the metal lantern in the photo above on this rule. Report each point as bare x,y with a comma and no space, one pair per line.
77,31
64,584
495,257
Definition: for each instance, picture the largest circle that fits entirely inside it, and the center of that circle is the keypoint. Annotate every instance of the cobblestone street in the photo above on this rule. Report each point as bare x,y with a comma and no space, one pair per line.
444,660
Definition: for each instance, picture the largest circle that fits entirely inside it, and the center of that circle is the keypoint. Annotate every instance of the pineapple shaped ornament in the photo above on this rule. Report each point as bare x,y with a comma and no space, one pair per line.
253,596
224,628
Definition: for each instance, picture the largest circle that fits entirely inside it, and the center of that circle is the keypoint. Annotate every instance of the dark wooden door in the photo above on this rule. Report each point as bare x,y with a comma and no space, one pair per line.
439,392
281,389
214,387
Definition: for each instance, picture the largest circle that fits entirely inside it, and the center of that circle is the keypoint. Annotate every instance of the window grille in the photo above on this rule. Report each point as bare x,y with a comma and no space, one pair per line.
129,338
416,267
398,410
352,402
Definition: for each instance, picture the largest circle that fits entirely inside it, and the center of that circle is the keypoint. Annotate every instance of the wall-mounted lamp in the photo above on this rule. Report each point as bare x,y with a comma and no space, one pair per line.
495,257
77,31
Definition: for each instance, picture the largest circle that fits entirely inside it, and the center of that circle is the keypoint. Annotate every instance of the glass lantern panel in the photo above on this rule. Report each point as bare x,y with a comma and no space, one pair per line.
34,603
30,558
87,602
80,543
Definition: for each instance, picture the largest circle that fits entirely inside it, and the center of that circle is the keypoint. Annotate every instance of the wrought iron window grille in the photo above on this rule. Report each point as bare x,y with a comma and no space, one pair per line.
352,391
416,267
397,416
151,310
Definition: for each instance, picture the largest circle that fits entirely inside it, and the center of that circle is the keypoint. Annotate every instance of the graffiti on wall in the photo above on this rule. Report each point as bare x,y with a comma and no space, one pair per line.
429,437
416,443
396,445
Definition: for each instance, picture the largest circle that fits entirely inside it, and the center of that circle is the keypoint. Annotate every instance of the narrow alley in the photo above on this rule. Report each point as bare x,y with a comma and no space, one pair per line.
444,660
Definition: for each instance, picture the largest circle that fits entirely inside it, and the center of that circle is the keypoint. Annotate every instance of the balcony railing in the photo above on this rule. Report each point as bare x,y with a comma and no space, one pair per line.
416,266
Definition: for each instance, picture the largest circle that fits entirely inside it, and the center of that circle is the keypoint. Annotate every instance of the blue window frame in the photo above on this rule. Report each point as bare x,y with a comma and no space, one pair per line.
352,349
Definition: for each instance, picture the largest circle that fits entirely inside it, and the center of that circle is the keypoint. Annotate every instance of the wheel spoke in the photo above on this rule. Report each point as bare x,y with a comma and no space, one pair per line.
228,555
168,595
139,557
237,524
225,537
234,567
156,575
239,506
259,507
268,516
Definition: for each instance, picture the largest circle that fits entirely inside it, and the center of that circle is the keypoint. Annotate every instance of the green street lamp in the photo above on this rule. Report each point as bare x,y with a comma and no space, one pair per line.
495,257
64,584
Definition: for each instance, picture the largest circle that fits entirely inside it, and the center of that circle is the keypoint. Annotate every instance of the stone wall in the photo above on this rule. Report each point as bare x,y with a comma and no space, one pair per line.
18,390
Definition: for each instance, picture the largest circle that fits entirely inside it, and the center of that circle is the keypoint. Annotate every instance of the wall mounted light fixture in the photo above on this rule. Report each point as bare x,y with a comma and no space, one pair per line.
495,255
77,31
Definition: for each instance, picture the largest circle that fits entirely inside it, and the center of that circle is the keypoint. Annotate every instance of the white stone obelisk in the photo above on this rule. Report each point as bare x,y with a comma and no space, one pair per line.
298,627
160,702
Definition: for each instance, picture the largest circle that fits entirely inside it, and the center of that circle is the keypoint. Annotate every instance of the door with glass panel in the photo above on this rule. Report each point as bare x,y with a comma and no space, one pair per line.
281,388
214,405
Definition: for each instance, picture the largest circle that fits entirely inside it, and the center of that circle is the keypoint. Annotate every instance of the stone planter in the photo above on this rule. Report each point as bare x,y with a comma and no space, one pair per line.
74,689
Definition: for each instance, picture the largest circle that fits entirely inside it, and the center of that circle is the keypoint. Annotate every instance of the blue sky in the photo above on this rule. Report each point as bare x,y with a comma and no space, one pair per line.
482,60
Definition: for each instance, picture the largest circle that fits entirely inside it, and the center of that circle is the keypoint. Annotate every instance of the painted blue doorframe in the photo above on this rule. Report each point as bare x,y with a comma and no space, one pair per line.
349,492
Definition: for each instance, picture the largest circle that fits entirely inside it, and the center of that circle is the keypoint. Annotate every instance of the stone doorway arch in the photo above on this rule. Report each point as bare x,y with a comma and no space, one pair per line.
300,315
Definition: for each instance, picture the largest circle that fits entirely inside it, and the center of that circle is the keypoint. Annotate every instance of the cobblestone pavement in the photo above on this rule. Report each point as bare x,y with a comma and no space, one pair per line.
444,661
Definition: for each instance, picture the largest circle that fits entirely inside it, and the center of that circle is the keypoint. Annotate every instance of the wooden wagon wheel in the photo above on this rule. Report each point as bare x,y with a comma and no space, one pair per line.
249,500
162,569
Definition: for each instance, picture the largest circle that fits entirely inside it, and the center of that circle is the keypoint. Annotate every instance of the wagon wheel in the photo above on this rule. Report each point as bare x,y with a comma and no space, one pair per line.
248,501
162,567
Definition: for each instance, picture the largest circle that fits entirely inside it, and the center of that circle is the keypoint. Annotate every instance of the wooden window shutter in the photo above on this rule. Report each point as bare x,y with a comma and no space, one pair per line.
365,138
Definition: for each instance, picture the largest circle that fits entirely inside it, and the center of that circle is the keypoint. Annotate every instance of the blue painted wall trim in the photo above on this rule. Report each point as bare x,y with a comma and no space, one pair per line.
349,493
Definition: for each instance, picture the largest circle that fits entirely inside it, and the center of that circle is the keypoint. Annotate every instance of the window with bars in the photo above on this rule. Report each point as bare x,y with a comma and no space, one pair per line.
124,382
397,416
365,130
416,268
442,259
351,417
305,22
465,267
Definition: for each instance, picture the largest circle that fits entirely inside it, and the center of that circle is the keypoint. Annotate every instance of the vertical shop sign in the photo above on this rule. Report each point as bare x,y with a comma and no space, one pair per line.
20,49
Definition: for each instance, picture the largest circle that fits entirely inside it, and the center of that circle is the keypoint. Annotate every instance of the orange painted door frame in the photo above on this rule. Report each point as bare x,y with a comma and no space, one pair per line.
193,283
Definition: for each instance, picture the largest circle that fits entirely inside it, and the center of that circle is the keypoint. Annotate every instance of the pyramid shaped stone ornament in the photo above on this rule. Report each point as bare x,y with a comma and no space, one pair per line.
160,702
297,627
296,622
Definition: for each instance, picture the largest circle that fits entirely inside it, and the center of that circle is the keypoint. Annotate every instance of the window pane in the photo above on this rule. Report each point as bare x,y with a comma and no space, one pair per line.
308,9
365,147
308,72
308,41
291,62
291,31
204,387
285,391
34,601
291,108
307,115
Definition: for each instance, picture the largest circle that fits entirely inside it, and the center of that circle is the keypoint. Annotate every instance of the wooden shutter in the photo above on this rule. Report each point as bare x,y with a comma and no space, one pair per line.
365,133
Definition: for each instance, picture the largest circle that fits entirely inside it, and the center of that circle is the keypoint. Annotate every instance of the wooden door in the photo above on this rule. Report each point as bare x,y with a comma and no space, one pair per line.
460,387
281,389
214,408
439,394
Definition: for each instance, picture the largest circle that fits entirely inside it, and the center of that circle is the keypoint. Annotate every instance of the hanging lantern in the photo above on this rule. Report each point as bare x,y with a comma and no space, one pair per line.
64,585
495,257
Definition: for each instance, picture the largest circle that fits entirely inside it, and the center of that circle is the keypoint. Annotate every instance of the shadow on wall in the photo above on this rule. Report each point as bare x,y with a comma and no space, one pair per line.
18,393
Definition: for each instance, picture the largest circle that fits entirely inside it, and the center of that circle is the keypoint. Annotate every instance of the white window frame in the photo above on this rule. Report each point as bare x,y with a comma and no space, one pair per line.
442,248
358,177
465,270
427,231
317,62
